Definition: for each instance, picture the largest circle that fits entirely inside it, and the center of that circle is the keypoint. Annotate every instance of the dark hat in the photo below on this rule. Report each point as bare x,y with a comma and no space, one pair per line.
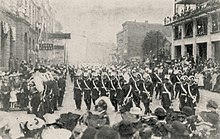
146,133
102,104
187,110
89,133
160,112
126,128
212,104
177,128
107,132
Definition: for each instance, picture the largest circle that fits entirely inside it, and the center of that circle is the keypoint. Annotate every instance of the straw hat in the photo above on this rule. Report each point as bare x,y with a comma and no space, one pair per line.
56,134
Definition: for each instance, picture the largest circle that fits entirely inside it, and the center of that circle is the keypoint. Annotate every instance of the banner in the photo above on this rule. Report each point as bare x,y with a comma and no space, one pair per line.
59,36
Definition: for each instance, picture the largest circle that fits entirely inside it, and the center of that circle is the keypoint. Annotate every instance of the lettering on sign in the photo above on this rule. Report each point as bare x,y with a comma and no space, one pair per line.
46,46
58,47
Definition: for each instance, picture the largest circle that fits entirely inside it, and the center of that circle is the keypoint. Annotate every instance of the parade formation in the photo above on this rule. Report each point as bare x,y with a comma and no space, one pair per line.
156,82
126,92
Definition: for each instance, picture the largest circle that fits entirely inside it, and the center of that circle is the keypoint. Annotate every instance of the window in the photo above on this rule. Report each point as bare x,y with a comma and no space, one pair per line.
202,24
177,32
215,22
189,29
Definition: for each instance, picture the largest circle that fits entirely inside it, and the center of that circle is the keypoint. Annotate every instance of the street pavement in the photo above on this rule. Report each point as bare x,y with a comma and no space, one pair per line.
69,104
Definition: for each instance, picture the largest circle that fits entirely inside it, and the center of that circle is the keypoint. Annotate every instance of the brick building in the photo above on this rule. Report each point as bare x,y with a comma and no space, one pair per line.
23,25
130,39
195,29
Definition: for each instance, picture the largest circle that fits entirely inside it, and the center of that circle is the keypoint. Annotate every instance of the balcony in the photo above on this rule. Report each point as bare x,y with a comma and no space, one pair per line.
190,13
190,1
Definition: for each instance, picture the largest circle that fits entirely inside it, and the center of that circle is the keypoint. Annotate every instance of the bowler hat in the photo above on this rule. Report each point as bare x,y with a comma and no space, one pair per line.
126,128
160,112
177,128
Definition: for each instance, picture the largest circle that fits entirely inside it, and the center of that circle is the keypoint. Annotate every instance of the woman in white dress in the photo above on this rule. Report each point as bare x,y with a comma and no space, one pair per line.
13,97
200,79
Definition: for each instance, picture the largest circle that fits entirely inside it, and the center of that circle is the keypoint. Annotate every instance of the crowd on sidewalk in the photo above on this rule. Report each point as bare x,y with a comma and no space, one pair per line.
117,92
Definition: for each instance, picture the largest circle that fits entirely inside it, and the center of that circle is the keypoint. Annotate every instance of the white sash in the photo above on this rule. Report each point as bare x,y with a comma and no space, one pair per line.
119,85
86,84
158,77
104,86
78,84
95,85
190,94
135,83
127,96
183,89
145,90
168,92
178,78
112,85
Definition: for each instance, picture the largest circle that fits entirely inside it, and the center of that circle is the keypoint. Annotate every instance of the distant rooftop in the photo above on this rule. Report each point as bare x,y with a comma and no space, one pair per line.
190,1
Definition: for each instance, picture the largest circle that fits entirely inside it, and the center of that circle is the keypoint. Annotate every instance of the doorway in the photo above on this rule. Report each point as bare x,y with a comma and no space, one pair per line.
178,51
202,51
189,49
216,51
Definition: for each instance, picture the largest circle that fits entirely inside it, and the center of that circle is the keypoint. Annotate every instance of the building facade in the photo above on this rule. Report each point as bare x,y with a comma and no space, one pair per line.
195,29
24,24
131,38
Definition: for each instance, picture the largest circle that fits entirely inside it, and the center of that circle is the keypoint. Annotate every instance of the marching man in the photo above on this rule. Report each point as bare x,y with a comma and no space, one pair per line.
167,93
193,93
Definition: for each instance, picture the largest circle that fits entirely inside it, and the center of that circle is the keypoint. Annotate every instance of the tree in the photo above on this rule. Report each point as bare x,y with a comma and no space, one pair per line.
153,45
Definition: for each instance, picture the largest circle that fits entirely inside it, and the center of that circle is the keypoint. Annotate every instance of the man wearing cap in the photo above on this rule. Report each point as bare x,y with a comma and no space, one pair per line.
113,84
5,93
78,92
104,85
137,82
210,117
95,88
86,87
193,93
147,93
183,92
62,86
119,91
167,94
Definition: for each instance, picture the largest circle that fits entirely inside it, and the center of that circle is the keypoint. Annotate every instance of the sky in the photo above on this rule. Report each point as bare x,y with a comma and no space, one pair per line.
100,20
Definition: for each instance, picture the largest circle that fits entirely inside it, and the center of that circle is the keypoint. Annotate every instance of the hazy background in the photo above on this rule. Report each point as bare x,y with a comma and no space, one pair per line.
100,20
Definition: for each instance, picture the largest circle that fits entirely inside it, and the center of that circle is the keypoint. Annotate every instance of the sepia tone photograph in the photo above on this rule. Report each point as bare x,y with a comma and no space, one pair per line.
109,69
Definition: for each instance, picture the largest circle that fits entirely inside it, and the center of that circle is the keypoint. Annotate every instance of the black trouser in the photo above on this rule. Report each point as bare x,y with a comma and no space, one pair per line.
158,91
60,98
136,98
114,103
182,99
93,101
54,101
78,103
146,106
177,90
88,103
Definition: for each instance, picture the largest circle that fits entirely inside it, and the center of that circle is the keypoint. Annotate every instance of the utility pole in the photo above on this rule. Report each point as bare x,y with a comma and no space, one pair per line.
157,44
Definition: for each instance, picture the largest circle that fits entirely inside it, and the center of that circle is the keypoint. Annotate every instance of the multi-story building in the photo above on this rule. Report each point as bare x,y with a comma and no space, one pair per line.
195,29
23,25
7,31
131,38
